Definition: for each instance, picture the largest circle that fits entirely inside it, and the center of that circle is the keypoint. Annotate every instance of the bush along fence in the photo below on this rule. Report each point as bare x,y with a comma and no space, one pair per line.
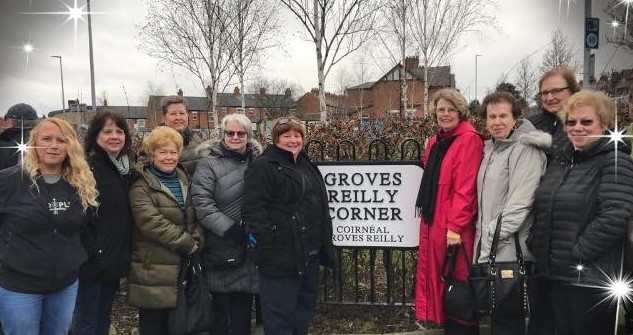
367,166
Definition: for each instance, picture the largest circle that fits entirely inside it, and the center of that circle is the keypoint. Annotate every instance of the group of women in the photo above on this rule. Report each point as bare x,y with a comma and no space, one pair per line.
554,180
75,219
73,222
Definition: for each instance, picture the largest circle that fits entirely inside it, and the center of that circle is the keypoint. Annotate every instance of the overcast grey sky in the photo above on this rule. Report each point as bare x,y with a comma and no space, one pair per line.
121,68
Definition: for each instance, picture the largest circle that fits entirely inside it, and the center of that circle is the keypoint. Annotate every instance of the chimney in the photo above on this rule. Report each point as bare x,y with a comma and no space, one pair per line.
288,92
105,102
411,62
262,91
209,91
180,93
236,90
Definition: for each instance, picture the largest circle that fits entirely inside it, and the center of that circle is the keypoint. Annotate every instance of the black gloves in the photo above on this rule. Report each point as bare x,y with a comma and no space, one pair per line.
237,233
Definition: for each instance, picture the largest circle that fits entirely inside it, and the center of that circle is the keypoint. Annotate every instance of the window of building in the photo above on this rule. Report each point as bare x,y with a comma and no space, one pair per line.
251,112
194,116
240,110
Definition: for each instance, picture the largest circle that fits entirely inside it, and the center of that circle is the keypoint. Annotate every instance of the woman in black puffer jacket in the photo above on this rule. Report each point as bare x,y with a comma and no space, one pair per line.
582,207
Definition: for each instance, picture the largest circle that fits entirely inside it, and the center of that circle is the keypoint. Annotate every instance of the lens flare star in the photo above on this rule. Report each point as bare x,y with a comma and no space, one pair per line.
20,147
616,289
74,13
27,48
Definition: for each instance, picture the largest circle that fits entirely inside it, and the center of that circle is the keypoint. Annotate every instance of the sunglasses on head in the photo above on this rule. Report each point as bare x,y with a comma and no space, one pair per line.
584,123
230,133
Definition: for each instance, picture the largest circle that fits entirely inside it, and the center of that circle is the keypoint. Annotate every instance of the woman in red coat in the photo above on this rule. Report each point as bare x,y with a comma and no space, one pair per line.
448,205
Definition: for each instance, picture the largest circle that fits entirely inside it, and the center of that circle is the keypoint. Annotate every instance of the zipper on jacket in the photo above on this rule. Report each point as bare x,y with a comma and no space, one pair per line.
551,213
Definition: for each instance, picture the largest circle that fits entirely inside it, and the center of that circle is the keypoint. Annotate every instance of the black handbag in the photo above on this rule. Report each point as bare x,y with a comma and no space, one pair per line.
192,314
501,287
459,302
223,252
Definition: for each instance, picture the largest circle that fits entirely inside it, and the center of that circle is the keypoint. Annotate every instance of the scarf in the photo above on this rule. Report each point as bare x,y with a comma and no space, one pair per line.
425,203
122,164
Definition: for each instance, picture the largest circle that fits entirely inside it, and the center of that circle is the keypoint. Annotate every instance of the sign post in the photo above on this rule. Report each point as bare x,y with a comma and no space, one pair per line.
373,204
592,32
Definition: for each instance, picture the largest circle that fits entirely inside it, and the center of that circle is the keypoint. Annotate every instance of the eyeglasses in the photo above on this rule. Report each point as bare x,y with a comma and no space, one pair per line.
584,123
230,133
446,111
553,91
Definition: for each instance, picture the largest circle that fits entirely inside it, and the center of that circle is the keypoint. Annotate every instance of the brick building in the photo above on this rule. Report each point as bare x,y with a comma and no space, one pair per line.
383,97
79,113
258,107
308,106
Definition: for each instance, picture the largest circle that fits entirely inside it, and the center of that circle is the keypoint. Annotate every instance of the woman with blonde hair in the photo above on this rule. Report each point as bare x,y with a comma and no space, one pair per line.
43,204
447,203
165,230
582,208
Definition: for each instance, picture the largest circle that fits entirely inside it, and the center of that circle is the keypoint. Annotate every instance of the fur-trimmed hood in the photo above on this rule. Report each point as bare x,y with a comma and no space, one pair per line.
211,148
524,133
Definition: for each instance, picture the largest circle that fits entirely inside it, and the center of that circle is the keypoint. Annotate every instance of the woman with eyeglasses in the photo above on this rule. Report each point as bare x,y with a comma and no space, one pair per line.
285,207
555,88
447,202
582,208
217,188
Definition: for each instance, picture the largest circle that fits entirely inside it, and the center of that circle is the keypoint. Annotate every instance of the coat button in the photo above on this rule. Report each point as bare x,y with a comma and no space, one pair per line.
55,231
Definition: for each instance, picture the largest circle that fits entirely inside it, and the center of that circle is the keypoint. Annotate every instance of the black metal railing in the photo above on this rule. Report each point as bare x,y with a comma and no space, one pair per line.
369,275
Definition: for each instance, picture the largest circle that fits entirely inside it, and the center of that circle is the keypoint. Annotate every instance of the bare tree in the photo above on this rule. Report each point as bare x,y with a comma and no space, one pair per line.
337,28
526,79
256,27
194,35
393,33
618,11
561,52
278,97
438,25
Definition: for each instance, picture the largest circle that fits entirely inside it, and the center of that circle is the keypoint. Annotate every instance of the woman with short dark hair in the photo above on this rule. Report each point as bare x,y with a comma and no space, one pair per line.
285,207
514,161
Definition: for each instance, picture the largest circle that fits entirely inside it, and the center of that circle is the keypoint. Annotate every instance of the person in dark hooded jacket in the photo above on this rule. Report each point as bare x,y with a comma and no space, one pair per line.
21,119
285,206
582,208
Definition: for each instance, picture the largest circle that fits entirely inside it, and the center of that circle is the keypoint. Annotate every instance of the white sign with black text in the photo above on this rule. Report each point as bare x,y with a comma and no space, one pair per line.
373,204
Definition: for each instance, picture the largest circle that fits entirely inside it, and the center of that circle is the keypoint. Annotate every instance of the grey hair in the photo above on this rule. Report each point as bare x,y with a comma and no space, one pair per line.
243,121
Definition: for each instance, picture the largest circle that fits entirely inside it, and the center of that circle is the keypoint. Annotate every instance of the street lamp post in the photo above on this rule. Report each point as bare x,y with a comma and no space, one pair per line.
476,57
61,74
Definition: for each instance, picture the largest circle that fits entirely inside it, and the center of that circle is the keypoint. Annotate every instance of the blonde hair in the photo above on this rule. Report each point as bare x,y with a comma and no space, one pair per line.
454,97
75,169
605,108
162,136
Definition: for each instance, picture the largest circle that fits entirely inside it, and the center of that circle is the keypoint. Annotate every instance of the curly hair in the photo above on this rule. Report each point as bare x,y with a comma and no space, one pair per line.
162,136
75,169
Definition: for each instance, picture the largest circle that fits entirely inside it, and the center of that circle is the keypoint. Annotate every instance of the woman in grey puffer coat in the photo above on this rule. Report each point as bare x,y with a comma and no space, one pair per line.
514,161
216,190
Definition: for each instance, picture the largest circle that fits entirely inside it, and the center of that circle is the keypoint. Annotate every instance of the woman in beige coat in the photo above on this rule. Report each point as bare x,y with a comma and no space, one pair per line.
514,160
165,230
